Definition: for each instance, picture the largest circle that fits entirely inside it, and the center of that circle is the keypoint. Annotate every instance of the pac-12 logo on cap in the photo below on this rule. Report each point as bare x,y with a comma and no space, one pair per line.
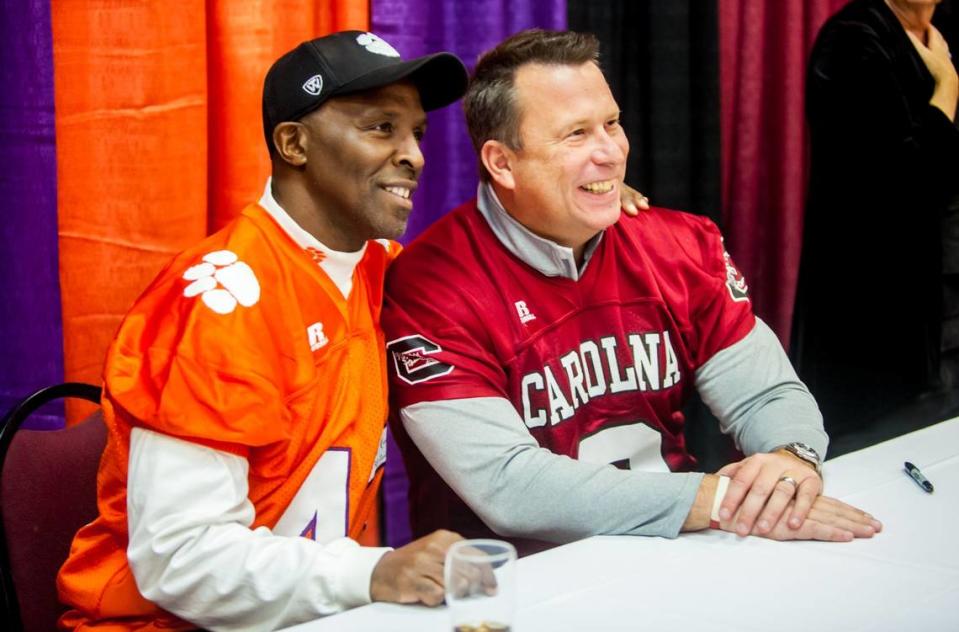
313,85
375,44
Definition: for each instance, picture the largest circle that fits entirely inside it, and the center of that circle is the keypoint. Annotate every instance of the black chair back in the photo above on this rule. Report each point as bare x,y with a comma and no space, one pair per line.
47,492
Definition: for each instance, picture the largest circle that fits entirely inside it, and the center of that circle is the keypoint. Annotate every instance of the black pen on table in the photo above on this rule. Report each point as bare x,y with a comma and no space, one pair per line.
917,476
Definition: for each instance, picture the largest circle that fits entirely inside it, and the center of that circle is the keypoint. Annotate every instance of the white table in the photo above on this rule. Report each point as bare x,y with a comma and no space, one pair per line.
906,578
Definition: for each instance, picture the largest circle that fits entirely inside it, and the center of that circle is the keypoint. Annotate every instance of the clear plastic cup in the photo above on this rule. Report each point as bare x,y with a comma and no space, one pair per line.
480,577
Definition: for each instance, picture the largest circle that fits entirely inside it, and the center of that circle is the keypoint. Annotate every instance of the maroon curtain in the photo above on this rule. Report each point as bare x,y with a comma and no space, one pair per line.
763,50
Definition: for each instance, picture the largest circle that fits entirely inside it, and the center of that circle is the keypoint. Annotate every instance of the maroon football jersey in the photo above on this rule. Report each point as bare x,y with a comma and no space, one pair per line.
598,369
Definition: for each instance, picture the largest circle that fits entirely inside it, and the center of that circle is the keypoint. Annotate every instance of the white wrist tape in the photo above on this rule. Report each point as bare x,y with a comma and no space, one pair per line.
721,488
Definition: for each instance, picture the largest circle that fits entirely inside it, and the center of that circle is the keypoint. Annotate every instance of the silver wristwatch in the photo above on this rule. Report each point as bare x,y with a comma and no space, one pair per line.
804,452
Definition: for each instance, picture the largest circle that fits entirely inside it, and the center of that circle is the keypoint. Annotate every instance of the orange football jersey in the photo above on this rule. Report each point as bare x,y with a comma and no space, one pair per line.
243,344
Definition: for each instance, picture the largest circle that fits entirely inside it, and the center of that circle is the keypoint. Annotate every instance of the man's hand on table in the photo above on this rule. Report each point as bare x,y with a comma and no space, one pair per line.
828,520
756,490
413,573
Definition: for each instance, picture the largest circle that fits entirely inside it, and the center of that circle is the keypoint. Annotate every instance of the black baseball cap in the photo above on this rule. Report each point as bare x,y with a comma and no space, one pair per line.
352,61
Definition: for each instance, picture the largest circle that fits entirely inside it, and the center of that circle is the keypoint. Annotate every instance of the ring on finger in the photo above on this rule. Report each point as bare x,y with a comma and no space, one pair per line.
789,479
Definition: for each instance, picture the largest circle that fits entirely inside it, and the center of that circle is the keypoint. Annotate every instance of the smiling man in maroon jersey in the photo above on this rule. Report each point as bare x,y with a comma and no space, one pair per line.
535,339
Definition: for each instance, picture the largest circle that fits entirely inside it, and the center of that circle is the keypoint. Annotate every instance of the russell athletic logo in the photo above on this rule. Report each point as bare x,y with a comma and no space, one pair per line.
222,282
314,85
316,336
523,312
412,359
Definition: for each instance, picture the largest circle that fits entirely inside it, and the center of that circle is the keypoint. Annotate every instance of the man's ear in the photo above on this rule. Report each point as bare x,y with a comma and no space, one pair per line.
290,140
498,160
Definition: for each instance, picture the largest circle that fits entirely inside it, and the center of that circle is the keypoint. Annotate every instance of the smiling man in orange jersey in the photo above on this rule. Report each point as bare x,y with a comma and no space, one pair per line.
245,393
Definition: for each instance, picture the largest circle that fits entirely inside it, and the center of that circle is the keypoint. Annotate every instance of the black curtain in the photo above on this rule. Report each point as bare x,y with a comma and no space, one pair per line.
946,20
662,62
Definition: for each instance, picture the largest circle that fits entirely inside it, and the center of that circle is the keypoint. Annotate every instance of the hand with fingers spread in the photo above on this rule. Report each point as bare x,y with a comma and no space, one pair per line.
413,573
828,520
768,488
632,200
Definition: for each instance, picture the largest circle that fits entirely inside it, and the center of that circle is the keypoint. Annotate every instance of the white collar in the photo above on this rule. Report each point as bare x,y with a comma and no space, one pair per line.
338,265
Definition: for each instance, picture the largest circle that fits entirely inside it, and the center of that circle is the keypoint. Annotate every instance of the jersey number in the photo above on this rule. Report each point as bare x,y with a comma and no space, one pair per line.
320,509
628,447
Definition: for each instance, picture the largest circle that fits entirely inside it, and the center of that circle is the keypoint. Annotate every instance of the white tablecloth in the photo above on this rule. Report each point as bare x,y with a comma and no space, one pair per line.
906,578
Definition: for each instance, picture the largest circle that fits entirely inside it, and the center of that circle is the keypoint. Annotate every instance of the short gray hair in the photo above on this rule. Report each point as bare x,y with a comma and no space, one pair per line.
490,101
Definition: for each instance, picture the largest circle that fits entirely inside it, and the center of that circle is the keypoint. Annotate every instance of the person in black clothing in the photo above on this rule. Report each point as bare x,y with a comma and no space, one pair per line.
881,103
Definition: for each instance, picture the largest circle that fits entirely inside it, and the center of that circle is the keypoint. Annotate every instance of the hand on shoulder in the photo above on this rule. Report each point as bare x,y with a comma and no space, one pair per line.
632,200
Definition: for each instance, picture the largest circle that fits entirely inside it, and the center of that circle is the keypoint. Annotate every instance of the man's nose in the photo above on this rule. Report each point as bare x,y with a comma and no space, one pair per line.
609,149
408,153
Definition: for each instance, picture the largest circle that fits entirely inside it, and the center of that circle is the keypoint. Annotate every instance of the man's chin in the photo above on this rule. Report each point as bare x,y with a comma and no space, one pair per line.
604,217
394,230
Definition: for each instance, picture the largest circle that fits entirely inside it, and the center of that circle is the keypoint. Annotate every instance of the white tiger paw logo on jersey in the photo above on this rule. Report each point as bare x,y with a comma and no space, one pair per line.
222,281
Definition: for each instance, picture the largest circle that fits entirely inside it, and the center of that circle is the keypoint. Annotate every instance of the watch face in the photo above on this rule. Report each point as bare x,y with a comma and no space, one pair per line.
805,450
805,453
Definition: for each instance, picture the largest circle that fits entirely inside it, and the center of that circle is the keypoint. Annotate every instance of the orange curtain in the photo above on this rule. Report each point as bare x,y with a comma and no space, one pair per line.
158,139
243,39
131,124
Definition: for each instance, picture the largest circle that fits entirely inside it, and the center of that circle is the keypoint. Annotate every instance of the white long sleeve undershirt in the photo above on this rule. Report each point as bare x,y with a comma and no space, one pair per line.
192,552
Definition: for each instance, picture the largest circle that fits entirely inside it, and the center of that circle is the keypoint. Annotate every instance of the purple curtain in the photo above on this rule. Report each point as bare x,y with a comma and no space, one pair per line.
31,352
467,28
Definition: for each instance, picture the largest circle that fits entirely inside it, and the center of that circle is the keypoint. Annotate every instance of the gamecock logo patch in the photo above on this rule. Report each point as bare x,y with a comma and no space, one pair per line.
735,281
412,359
